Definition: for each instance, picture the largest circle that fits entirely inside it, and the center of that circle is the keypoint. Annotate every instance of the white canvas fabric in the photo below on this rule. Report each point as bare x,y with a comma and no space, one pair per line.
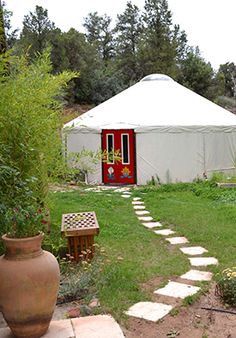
179,134
148,105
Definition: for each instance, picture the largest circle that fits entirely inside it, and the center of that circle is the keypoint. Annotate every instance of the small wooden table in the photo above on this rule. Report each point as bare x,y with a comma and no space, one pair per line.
80,228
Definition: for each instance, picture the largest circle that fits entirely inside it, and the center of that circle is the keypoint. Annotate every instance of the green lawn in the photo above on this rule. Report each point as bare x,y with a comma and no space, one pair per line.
133,254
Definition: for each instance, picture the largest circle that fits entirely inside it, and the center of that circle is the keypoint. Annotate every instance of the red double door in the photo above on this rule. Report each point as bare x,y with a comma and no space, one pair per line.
119,164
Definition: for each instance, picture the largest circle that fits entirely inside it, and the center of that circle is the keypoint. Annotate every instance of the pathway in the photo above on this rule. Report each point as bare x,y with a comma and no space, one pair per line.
174,290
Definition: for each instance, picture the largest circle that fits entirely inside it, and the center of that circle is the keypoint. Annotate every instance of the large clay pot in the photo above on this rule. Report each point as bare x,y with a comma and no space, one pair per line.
29,282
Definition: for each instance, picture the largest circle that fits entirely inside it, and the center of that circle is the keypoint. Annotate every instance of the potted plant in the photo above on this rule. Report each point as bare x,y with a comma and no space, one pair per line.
29,276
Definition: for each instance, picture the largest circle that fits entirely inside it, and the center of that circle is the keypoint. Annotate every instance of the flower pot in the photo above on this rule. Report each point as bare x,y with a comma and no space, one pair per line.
29,286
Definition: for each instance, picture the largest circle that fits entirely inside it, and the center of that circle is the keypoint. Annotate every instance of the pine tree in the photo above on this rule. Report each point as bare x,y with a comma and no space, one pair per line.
157,52
128,30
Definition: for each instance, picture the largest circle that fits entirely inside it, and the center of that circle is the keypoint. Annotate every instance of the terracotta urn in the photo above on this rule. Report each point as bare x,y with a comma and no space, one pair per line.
29,286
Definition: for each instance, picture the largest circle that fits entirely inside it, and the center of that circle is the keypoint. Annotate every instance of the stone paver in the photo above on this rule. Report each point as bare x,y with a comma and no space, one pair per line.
57,329
101,326
177,290
149,310
164,232
127,192
145,218
122,189
137,198
203,261
193,250
197,275
142,212
139,207
177,240
125,196
151,225
137,202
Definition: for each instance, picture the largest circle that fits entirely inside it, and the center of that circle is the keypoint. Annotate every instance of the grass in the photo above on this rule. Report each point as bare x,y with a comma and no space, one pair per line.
133,255
203,220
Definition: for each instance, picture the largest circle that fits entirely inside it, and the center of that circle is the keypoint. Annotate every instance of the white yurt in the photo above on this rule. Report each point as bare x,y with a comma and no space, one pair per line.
160,129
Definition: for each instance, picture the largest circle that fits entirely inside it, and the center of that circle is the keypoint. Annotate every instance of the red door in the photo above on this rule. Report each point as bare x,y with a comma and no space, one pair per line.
121,169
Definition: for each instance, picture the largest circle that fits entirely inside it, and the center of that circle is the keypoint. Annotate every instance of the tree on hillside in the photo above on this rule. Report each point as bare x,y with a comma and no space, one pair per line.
196,73
128,30
99,34
36,31
157,52
229,71
79,55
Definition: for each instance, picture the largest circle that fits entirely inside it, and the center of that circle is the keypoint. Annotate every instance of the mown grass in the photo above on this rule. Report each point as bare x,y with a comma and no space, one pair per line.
133,254
205,215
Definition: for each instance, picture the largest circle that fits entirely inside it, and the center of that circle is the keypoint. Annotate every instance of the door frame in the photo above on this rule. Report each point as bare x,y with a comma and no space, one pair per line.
134,157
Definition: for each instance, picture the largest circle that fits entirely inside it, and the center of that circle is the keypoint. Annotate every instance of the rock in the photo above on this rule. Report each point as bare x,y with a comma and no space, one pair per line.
94,303
74,312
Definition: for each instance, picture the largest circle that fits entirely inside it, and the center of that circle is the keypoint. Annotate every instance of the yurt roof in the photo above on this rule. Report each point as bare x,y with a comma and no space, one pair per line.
156,101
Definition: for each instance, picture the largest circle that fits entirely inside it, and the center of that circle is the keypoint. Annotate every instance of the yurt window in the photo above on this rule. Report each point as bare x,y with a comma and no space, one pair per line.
125,148
110,148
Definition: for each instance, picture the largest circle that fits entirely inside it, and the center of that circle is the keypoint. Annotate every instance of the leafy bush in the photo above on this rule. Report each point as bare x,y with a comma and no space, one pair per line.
226,286
30,144
29,117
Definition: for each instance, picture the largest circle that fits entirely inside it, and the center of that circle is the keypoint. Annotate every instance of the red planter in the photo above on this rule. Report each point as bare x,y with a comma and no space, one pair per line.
29,286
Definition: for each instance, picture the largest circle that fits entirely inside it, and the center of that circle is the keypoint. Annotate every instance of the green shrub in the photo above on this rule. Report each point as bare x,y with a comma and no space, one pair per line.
226,286
30,144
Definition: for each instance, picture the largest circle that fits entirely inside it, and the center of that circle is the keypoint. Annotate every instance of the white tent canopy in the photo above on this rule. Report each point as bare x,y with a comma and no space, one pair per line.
179,134
160,102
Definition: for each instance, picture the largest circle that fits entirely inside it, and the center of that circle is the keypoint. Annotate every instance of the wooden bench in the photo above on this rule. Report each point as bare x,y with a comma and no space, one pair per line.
79,229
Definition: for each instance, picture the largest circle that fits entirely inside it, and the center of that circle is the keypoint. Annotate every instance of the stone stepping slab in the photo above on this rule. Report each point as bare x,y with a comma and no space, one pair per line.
122,189
139,207
127,193
203,261
125,196
164,232
145,218
177,290
151,225
193,250
137,202
177,240
197,275
142,212
96,327
149,310
137,198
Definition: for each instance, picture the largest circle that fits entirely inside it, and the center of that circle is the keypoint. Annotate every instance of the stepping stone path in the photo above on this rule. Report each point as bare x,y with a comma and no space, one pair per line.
139,207
164,232
145,218
177,240
197,275
193,251
149,310
142,212
203,261
151,225
125,196
154,311
177,290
